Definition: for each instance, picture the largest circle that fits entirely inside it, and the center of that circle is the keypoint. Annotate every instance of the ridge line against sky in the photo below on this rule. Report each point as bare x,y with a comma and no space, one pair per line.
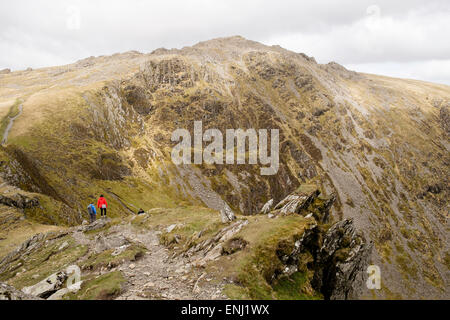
406,39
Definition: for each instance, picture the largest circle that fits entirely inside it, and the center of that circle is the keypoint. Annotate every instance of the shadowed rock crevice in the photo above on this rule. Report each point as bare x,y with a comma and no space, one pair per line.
341,262
339,255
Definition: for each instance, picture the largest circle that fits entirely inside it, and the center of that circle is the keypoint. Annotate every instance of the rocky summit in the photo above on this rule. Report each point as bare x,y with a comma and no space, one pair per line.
362,179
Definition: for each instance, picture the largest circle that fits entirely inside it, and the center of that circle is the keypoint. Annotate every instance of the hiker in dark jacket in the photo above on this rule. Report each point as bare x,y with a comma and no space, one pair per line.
92,212
102,205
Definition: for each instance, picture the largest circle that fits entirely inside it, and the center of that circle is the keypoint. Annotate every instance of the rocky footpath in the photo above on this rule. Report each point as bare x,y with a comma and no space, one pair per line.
126,259
147,269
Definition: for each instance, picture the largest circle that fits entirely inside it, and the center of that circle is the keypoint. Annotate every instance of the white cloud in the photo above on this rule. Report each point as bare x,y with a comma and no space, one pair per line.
418,35
46,32
430,70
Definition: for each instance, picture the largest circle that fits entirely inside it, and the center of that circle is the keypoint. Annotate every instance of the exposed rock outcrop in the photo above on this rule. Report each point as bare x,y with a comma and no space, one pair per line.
19,201
338,257
212,248
97,224
34,243
138,98
267,207
295,202
308,242
234,244
48,286
227,214
300,202
379,143
168,73
8,292
110,166
341,262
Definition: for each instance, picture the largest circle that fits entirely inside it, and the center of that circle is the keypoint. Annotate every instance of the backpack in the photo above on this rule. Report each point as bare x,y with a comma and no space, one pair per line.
91,209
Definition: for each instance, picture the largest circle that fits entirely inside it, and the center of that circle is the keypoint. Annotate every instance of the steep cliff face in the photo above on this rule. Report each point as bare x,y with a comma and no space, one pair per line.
378,146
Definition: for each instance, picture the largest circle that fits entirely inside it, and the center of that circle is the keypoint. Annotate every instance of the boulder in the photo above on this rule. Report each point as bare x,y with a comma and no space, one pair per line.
212,248
8,292
297,201
227,214
58,295
267,207
234,244
97,224
48,286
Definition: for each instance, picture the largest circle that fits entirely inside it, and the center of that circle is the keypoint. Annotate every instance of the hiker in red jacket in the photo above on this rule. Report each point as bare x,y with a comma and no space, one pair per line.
102,205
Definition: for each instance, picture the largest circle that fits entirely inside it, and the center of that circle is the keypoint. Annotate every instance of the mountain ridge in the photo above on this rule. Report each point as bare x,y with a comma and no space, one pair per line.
163,50
380,144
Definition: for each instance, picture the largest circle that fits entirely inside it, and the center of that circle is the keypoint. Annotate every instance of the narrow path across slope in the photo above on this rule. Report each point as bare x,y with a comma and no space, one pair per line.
10,124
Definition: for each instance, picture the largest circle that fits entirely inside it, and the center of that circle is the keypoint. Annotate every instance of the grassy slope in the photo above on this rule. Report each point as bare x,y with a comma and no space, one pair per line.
383,174
14,229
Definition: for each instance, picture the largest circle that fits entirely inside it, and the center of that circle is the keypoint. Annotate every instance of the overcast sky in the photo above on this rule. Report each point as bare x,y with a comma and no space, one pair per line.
402,38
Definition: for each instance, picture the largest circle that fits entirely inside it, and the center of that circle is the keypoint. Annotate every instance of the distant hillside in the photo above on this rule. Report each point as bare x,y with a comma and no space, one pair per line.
379,145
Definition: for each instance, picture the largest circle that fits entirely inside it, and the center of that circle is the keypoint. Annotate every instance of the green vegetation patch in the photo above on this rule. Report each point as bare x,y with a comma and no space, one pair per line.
295,287
104,287
193,224
49,259
51,212
259,264
447,260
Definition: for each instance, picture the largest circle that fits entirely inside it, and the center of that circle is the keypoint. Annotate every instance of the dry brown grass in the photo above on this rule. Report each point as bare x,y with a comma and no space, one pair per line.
14,230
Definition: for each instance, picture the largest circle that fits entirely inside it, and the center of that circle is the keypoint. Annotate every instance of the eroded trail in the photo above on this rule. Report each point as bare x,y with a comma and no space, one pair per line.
157,274
10,124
